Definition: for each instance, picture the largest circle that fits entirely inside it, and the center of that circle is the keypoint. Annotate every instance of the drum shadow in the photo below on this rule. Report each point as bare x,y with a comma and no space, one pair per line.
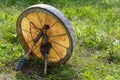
34,70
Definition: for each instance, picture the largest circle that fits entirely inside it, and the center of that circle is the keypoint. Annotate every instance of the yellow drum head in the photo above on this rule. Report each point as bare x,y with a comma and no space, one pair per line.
60,33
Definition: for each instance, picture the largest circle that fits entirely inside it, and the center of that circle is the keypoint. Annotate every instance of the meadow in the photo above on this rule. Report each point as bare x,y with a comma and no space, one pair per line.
97,54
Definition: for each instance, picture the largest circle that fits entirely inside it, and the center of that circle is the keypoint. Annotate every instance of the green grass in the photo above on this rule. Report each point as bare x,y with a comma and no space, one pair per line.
97,53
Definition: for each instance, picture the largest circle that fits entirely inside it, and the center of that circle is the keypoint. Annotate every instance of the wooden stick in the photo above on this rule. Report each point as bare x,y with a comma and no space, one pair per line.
29,51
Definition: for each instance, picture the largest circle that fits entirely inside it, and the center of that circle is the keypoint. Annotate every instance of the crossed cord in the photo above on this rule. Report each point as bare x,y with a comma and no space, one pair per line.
38,29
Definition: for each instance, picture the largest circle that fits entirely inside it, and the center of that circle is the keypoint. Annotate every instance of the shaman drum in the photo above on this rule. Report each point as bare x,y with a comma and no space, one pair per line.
60,33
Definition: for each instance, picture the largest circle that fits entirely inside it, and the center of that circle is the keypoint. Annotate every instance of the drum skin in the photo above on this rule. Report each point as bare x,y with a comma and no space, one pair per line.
61,33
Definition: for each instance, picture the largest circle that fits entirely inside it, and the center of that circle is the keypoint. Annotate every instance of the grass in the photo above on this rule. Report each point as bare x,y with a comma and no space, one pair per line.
97,53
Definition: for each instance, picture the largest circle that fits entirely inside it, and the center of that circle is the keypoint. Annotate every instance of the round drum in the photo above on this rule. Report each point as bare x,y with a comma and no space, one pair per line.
60,34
